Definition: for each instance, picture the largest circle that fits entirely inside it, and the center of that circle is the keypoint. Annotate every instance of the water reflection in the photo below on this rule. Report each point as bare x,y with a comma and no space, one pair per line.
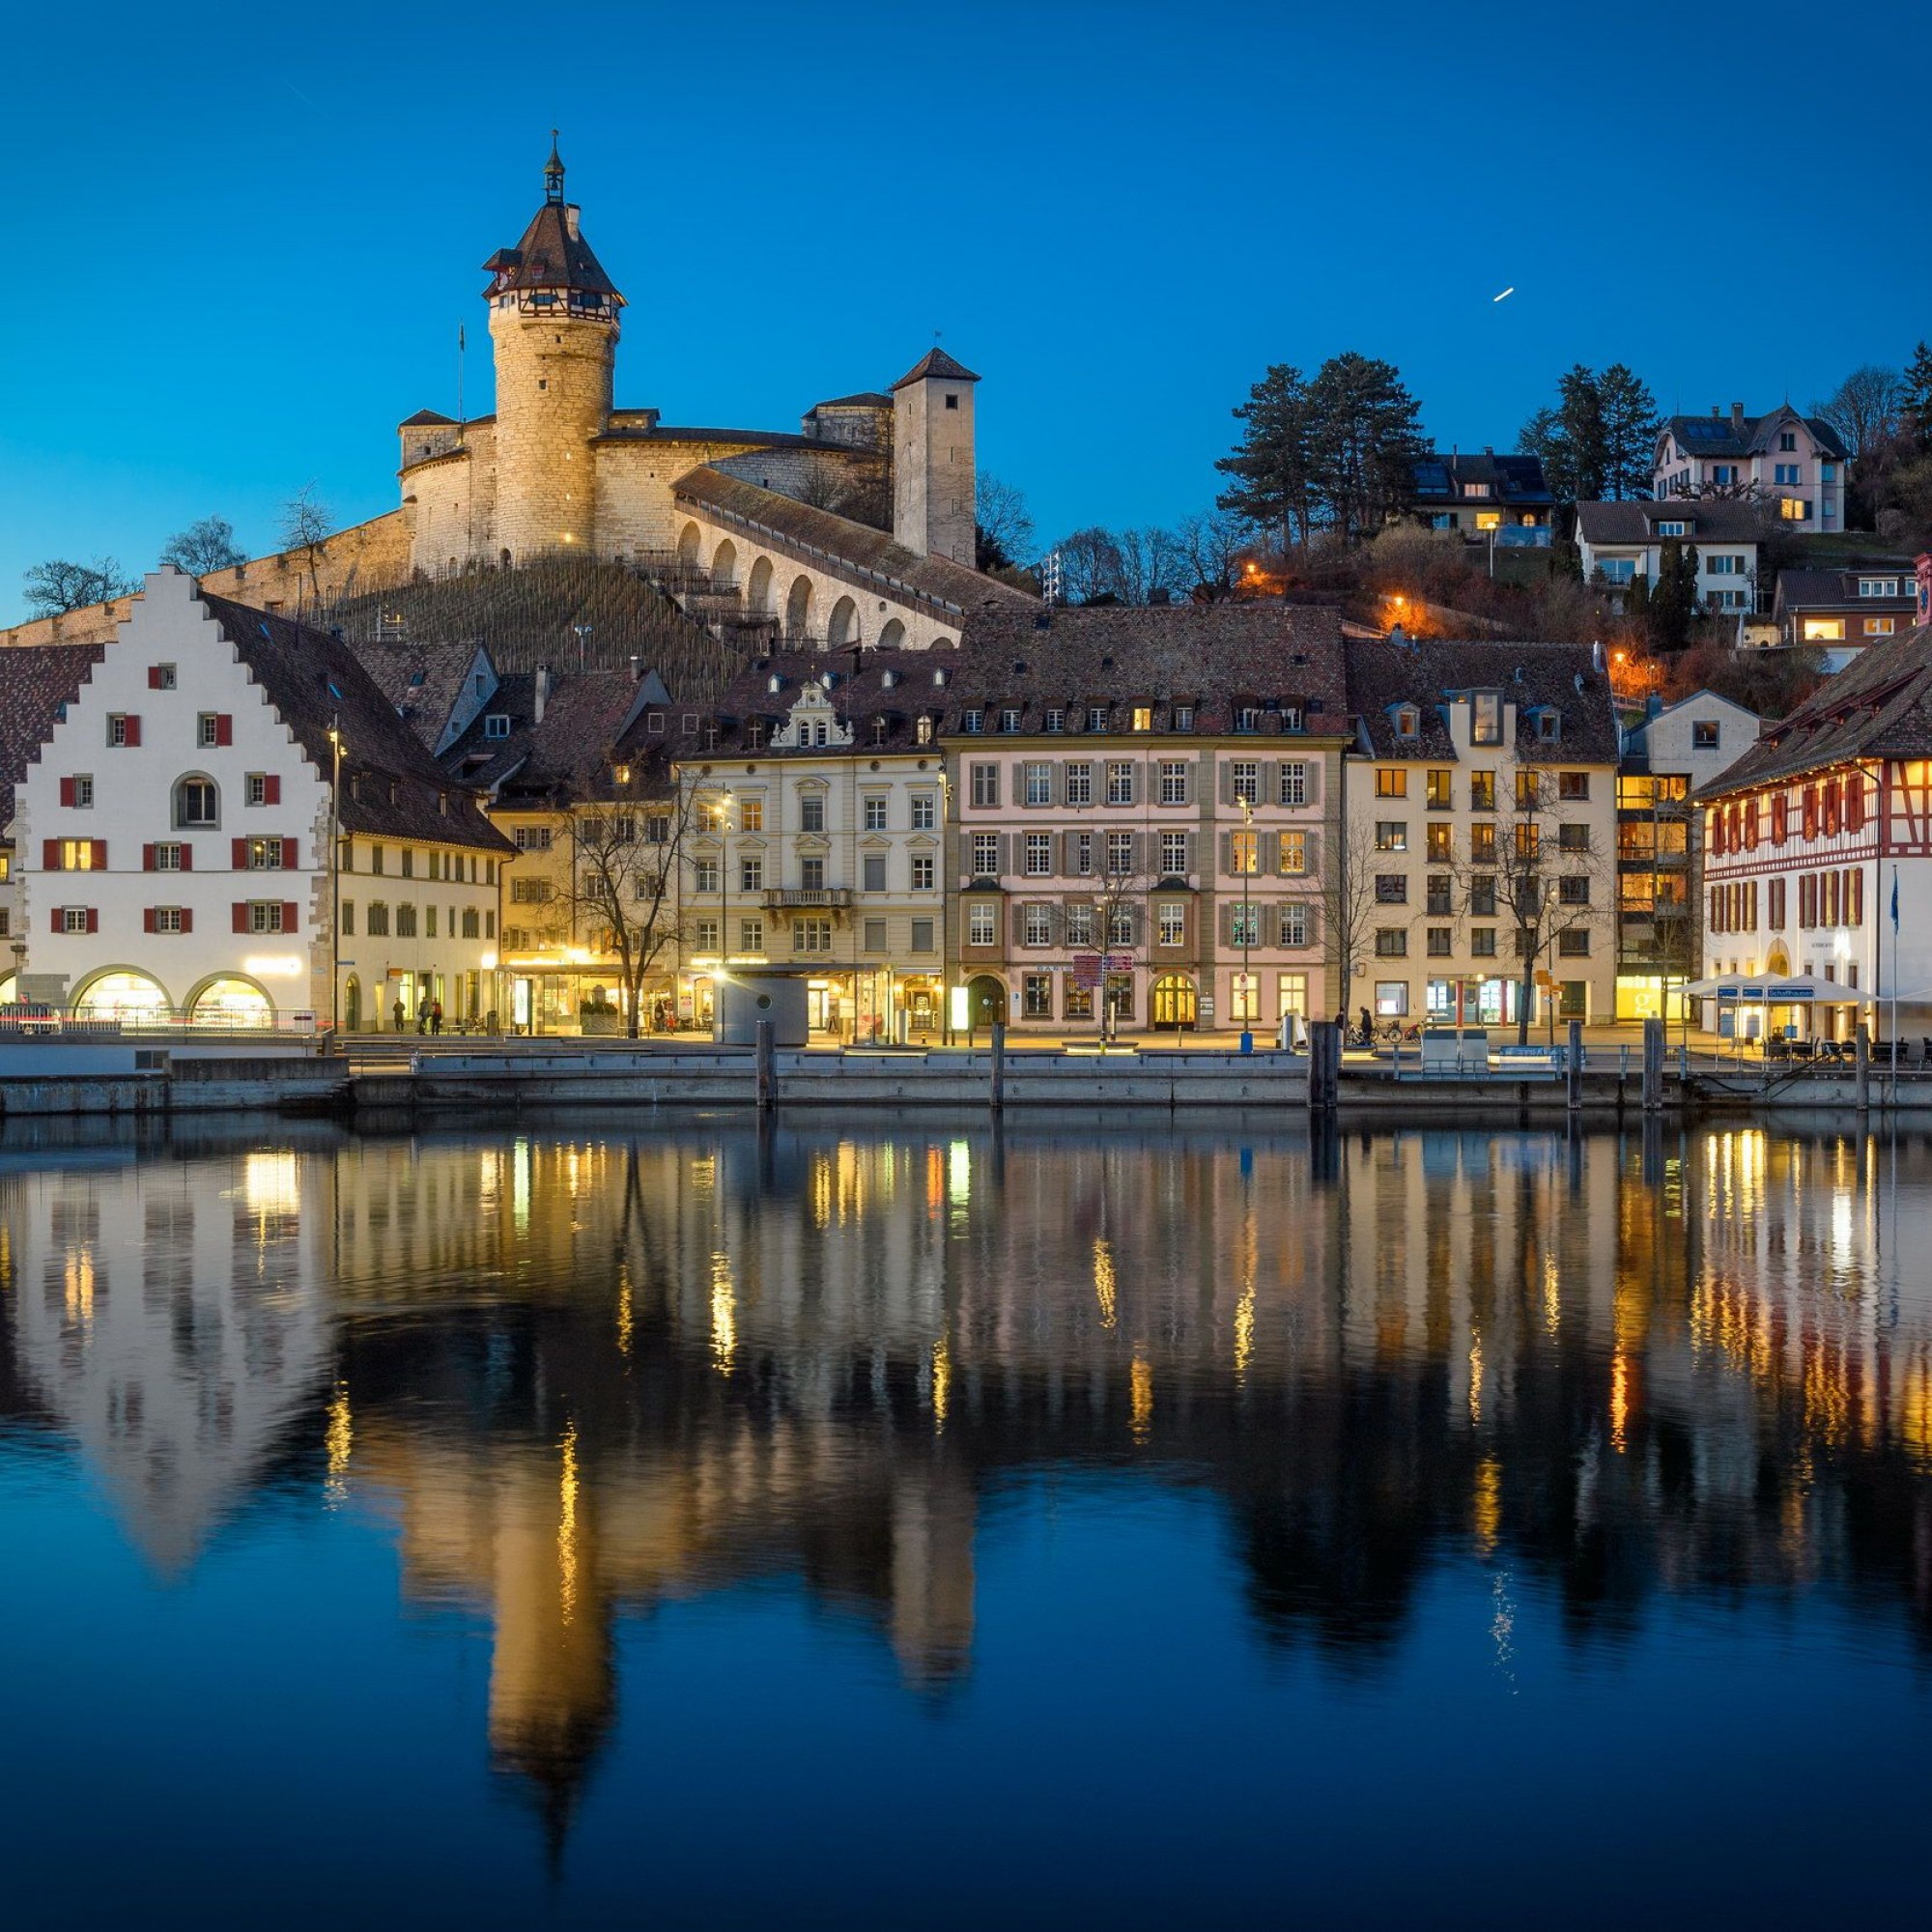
583,1376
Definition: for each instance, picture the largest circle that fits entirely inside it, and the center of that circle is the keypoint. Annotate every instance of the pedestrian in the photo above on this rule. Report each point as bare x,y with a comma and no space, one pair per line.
397,1011
436,1017
1368,1027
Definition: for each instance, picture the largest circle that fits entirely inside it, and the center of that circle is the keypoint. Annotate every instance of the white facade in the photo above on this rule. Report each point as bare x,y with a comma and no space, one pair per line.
174,844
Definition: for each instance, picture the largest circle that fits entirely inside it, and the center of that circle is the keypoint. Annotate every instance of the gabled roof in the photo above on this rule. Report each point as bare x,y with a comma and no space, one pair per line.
1715,437
1635,523
1879,706
1838,591
871,557
866,399
36,680
591,719
427,418
935,363
423,681
391,786
1564,679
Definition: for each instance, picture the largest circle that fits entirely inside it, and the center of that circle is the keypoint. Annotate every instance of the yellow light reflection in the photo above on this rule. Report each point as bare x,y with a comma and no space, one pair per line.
566,1527
1104,1282
1619,1399
1486,1504
77,1285
1475,1378
337,1436
942,1383
625,1318
520,1185
724,1315
1140,1384
270,1183
1553,1294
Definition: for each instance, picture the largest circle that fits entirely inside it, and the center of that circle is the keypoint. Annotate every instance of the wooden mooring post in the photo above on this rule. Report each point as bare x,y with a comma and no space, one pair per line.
1652,1067
1324,1066
1573,1068
764,1055
1862,1060
996,1093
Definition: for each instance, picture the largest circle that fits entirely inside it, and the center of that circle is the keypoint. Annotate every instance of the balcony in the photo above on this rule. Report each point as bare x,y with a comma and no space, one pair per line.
819,897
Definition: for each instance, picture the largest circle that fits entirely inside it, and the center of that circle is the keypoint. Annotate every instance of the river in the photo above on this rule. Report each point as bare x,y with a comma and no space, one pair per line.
870,1524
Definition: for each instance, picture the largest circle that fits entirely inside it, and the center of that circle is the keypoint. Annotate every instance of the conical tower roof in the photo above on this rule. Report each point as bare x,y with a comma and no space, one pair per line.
552,255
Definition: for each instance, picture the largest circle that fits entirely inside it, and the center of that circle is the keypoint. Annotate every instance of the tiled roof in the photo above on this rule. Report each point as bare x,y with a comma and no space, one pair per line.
866,399
935,363
391,786
1879,706
549,256
759,438
35,681
1706,516
894,687
590,720
422,681
425,417
839,544
1564,679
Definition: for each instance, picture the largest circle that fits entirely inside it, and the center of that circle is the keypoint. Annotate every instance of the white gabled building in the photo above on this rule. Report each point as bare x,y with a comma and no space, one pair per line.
186,852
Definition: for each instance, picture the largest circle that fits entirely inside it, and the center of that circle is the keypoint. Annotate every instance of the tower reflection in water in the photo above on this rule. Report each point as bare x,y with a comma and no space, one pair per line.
584,1376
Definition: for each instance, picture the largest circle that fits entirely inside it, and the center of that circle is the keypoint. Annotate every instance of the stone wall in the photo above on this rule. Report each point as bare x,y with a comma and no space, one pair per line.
635,480
451,502
365,556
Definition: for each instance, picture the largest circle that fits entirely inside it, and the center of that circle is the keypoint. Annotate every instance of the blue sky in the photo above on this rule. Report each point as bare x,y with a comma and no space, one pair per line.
247,235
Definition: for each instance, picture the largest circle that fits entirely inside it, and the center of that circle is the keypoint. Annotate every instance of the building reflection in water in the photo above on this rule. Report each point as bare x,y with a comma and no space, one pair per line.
585,1377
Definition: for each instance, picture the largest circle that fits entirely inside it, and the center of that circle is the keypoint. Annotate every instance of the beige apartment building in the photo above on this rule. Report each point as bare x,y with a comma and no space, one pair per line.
1481,842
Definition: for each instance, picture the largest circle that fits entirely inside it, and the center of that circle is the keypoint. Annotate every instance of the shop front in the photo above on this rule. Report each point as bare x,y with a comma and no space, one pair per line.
1467,1002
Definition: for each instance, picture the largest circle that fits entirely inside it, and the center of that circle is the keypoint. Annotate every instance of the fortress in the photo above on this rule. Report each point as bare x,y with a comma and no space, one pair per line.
784,531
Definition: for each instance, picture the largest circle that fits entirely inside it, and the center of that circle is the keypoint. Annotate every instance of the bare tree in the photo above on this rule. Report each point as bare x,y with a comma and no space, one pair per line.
1211,544
1533,866
58,585
305,527
1345,900
1120,882
1152,565
202,548
628,833
1005,535
1865,409
1090,565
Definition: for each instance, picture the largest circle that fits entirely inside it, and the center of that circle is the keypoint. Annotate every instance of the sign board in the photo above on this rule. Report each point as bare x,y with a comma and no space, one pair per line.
1119,962
1543,977
1087,970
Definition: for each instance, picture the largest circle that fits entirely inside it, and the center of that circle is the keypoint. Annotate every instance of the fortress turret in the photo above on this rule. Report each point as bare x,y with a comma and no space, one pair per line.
553,320
934,499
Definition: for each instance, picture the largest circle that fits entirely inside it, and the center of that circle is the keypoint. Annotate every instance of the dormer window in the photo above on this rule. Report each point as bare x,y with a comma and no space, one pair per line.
754,735
1293,718
1408,721
1056,719
1486,718
1878,587
1548,726
496,725
922,732
1248,718
973,722
775,683
878,730
1672,528
1010,719
1183,718
1142,717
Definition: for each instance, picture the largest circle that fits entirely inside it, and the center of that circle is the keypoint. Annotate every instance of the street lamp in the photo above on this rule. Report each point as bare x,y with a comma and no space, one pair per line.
583,632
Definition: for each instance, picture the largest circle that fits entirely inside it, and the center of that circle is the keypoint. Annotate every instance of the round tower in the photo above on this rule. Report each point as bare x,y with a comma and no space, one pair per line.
553,322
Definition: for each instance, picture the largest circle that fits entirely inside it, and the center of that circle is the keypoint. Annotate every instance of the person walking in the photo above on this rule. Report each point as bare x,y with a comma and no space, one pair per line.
436,1017
397,1011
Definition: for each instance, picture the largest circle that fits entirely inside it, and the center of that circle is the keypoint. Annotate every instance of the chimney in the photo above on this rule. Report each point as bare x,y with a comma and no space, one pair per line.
1737,418
572,216
1488,449
543,694
636,670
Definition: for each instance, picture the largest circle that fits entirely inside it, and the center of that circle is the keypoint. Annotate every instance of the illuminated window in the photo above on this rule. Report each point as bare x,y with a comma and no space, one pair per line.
1822,630
1391,781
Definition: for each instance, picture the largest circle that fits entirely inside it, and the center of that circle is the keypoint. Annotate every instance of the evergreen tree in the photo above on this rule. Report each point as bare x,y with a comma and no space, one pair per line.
1627,412
1918,412
1673,604
1365,436
1599,441
1271,468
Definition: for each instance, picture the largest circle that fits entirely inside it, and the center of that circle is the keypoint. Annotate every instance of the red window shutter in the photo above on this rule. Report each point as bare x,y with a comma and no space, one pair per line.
99,855
241,915
93,920
188,859
188,919
291,855
66,791
153,683
240,854
146,858
271,790
55,917
50,855
133,736
225,728
148,920
291,914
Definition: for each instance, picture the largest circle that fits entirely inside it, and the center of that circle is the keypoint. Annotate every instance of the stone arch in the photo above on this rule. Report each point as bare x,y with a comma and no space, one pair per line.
985,1000
942,643
725,566
1174,1004
759,588
120,993
1778,961
842,628
232,1000
689,540
352,1003
894,635
798,607
195,802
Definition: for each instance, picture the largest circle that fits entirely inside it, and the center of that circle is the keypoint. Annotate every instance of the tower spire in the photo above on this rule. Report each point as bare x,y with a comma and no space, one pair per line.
554,172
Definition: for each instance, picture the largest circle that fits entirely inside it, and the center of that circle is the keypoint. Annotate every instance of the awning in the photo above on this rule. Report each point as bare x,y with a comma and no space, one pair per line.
1765,990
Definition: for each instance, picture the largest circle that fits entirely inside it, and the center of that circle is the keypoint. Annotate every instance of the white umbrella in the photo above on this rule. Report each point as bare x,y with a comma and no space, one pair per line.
1771,990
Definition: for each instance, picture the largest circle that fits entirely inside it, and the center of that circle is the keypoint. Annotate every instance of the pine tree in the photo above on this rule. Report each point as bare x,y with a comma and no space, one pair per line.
1918,412
1364,440
1673,604
1270,467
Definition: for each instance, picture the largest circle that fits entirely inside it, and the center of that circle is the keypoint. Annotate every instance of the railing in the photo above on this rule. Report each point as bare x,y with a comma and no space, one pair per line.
25,1021
807,895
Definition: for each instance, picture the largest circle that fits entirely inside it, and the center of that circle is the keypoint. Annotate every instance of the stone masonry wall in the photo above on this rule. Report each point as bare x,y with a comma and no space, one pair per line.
554,377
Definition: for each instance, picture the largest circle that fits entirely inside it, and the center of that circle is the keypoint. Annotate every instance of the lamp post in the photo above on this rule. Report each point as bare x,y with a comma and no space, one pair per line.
335,747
